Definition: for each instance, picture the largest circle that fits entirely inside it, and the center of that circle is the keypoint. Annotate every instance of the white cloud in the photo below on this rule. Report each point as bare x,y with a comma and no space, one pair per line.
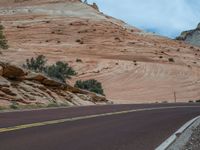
165,17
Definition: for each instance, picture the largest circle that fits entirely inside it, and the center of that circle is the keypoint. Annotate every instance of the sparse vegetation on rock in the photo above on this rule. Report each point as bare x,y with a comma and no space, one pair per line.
197,101
171,59
79,41
90,85
79,60
22,89
36,64
14,105
3,41
59,70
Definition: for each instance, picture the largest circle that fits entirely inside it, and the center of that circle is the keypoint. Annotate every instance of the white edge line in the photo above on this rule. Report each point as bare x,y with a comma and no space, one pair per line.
174,136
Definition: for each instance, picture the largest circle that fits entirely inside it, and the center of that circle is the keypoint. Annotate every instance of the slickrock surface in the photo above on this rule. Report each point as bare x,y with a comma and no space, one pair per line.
28,88
133,66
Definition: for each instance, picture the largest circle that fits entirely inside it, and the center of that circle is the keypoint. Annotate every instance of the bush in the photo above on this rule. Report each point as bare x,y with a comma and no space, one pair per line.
79,41
14,105
36,64
60,71
79,60
90,85
197,101
53,104
2,108
3,41
171,60
1,27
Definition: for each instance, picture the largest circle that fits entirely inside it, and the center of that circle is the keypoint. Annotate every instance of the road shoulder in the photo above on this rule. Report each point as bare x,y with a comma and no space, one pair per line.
188,139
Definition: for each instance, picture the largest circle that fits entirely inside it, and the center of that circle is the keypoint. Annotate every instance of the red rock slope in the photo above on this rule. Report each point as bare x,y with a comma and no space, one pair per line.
133,66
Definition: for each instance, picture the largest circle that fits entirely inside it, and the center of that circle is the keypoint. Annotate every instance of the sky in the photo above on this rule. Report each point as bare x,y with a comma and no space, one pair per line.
164,17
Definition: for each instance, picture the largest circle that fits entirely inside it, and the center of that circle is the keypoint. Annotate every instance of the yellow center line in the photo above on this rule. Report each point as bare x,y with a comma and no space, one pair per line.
52,122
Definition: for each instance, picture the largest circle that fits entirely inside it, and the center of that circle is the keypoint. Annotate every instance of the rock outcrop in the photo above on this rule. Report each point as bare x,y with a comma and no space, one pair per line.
133,66
191,36
94,5
11,71
25,87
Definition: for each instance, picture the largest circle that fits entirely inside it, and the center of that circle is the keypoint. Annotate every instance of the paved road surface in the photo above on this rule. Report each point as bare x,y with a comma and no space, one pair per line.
142,130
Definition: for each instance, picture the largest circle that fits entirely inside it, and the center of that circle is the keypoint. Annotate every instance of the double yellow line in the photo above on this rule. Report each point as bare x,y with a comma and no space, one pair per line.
39,124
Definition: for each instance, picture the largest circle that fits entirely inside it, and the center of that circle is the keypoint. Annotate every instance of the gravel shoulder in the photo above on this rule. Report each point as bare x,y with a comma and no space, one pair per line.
194,141
189,139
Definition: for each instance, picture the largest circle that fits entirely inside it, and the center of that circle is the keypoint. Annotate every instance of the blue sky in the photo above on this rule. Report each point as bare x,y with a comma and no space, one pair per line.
165,17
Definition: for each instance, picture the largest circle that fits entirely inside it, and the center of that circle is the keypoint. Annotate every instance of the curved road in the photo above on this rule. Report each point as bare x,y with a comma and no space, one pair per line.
109,127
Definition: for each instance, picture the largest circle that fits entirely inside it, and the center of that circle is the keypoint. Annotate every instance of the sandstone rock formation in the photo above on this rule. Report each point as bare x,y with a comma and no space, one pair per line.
133,66
191,36
24,87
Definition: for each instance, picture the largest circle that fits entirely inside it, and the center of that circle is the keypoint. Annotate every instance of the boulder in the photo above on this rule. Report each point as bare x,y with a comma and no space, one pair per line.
75,90
35,76
41,78
97,97
11,71
51,82
93,96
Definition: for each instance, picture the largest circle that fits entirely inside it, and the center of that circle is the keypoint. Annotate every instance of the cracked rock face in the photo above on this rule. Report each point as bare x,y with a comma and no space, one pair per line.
23,87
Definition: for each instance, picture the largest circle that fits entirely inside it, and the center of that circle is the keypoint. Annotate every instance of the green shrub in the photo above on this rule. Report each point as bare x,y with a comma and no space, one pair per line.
171,59
53,104
90,85
14,105
36,64
60,71
197,101
1,27
3,41
2,108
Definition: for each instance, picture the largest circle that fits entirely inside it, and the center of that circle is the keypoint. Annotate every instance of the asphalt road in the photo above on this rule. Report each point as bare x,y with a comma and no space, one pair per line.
142,130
